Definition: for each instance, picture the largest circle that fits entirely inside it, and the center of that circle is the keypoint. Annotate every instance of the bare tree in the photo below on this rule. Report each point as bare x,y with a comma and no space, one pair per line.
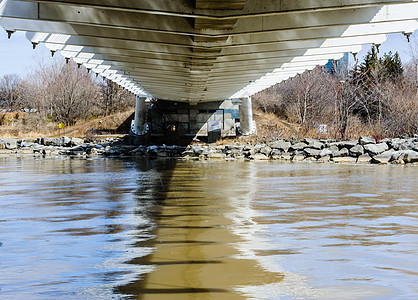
63,92
413,65
10,91
378,97
307,97
113,98
348,95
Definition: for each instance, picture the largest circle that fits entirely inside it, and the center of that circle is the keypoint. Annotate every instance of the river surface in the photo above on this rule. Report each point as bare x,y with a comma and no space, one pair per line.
161,229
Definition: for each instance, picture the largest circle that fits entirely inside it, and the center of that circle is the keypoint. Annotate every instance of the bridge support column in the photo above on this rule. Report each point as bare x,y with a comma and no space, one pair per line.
140,126
247,126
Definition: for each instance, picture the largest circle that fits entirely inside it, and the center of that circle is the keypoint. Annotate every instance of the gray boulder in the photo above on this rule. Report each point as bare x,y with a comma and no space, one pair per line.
27,144
312,152
197,150
376,148
335,152
386,140
46,141
411,157
236,147
383,158
344,152
298,146
340,153
357,150
404,156
315,145
333,147
280,145
325,152
10,144
309,140
232,152
364,158
397,156
396,143
347,144
407,145
364,140
61,142
256,149
276,152
266,150
77,141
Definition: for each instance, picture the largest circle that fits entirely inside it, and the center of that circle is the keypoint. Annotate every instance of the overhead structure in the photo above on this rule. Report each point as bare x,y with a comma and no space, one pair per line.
205,50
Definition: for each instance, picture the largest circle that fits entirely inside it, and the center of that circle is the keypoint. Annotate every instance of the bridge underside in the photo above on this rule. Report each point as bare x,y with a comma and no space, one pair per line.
205,50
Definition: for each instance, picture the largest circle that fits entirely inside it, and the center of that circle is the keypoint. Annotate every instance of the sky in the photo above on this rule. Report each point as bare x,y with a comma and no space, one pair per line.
18,57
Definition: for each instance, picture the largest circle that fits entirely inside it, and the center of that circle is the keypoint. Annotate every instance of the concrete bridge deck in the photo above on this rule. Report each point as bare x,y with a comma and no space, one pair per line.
205,50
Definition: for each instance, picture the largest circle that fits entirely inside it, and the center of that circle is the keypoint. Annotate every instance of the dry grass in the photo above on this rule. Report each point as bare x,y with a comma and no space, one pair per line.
270,125
18,125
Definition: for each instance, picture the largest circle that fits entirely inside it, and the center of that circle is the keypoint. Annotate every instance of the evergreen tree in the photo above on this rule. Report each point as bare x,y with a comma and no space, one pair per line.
372,69
370,63
391,66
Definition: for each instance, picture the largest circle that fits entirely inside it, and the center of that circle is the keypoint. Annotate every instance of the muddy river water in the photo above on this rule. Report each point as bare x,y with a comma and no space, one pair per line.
161,229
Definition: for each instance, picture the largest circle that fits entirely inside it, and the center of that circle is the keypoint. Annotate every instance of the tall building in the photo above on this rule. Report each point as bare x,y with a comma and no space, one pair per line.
338,66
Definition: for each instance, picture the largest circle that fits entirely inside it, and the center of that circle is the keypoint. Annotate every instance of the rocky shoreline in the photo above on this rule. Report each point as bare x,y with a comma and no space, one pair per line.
363,150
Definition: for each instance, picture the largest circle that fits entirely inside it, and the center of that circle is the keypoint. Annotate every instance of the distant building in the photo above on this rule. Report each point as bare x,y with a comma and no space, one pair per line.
341,65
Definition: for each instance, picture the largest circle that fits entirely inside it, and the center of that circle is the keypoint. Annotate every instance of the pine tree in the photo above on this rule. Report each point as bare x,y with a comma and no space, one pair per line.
391,66
370,63
373,69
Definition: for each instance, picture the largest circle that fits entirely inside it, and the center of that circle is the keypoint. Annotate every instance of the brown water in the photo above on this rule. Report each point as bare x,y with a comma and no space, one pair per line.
114,229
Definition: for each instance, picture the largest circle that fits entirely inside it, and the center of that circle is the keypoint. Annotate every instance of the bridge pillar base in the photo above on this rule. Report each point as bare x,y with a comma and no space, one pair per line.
247,125
138,140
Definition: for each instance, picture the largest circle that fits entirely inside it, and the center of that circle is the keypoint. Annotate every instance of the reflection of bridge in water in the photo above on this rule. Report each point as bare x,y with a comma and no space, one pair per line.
204,51
202,234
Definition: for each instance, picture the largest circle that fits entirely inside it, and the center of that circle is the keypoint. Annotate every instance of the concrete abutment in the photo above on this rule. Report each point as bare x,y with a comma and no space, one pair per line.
171,122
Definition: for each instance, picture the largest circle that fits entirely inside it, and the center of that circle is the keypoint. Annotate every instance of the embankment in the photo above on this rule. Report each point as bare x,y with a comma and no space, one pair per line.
363,150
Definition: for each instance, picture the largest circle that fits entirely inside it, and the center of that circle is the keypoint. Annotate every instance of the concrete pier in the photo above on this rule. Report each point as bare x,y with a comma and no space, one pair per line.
140,127
247,126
